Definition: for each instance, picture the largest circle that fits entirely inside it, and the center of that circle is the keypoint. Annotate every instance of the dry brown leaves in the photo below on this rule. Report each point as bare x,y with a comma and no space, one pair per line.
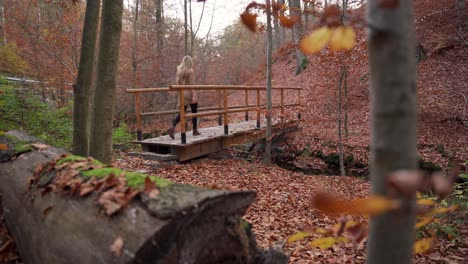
112,191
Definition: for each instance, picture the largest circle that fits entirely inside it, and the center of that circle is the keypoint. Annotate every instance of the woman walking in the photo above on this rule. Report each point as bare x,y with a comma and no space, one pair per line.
184,76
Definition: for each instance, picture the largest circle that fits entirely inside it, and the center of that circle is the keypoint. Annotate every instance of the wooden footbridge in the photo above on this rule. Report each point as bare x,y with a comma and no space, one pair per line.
185,146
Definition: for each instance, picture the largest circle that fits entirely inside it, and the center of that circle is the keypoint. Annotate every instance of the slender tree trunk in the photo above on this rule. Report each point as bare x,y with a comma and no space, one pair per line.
282,30
345,104
267,157
3,39
185,28
103,114
295,7
340,137
134,44
84,84
160,39
277,34
392,61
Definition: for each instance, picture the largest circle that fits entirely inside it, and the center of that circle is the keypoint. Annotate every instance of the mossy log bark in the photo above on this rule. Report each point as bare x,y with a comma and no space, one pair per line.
182,224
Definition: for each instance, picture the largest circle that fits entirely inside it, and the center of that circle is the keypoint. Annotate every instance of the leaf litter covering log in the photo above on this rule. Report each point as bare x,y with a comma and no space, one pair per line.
46,198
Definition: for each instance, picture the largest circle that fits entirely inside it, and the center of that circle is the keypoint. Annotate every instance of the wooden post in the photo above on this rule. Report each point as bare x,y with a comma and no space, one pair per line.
299,102
220,117
258,108
226,120
138,115
182,116
282,105
246,104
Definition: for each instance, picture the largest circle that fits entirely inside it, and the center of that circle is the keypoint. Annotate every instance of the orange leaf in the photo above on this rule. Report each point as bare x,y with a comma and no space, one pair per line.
249,20
443,210
316,40
342,38
149,185
424,221
423,245
288,22
427,202
371,206
3,147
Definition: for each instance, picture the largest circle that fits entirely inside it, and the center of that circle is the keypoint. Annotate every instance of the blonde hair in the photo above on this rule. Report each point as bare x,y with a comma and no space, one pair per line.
187,62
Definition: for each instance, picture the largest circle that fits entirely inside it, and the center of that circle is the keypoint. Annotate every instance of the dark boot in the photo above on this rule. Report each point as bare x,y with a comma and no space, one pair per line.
170,131
195,132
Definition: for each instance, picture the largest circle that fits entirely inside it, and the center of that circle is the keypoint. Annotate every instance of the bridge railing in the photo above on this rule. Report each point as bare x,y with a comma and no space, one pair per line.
221,110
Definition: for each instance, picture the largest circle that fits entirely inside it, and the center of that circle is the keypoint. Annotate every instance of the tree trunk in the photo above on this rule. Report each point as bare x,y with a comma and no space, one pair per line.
83,88
277,34
345,104
109,44
181,224
340,136
392,62
3,39
185,28
134,45
160,41
267,157
294,8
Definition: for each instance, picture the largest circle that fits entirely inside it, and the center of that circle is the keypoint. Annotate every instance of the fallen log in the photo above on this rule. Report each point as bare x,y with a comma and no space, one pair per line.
68,209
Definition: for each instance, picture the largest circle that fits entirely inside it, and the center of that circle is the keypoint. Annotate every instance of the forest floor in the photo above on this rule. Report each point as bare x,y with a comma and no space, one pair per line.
283,206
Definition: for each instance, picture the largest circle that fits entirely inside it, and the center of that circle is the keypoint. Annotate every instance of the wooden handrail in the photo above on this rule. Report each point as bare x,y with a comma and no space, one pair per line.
222,109
251,107
148,90
228,87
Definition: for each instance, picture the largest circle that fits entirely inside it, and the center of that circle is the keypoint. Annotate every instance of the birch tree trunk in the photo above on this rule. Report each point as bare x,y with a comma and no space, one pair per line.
392,62
109,42
83,89
267,156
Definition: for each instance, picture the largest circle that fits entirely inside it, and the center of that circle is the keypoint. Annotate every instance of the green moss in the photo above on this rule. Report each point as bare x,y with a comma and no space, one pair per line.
22,146
71,158
2,133
134,179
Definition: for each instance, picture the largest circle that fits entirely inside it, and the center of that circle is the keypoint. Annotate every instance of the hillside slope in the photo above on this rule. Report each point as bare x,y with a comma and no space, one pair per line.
442,87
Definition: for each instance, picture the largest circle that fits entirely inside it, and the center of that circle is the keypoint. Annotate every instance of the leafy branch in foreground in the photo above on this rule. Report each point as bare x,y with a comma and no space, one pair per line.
330,28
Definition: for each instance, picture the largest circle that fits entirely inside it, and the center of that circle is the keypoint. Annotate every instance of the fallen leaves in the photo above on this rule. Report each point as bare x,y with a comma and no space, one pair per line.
117,246
113,191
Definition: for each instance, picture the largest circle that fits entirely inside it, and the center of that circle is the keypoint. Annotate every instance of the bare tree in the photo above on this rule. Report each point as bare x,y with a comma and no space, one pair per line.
267,156
134,44
3,39
103,111
295,9
83,88
160,38
392,61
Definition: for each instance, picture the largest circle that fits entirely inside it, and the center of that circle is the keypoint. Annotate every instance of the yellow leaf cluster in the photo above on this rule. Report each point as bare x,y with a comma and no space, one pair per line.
339,38
327,242
423,245
298,236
